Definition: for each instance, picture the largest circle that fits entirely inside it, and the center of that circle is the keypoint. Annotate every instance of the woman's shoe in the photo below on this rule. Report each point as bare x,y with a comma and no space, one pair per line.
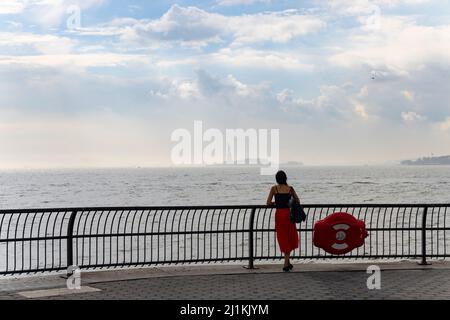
290,266
286,269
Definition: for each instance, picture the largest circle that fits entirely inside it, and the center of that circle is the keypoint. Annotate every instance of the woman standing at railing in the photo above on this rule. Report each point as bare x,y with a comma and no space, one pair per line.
286,231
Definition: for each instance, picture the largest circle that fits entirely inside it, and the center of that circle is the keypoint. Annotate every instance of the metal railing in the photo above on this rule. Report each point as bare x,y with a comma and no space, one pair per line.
41,240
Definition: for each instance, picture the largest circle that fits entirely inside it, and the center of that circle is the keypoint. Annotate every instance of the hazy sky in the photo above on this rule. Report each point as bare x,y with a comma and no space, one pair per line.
345,81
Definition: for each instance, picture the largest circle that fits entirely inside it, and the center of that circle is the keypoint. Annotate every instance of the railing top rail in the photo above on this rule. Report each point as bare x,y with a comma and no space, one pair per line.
212,207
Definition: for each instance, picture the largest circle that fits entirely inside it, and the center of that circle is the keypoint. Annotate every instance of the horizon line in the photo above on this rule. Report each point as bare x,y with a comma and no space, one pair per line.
379,164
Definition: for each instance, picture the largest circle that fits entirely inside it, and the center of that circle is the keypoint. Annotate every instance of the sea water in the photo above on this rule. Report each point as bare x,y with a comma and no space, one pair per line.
220,186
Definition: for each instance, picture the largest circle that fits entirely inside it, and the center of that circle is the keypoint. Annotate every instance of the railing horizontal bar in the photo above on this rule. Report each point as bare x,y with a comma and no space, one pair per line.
156,234
415,256
33,239
369,229
32,271
97,209
147,208
431,255
162,262
109,235
193,232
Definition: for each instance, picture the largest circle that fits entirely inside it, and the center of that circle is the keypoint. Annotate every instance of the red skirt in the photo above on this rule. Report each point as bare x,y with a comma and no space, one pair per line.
287,234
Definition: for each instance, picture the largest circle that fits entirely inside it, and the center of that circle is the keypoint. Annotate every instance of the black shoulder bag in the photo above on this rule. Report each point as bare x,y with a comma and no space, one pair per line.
297,213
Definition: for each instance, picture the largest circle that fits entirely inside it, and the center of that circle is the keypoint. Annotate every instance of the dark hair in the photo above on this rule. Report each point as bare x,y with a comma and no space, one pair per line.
281,177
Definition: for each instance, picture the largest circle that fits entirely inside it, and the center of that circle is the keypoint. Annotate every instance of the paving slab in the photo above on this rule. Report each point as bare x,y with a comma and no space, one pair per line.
308,281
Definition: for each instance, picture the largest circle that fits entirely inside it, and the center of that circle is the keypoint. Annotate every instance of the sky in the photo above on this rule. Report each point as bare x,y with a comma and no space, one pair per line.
104,83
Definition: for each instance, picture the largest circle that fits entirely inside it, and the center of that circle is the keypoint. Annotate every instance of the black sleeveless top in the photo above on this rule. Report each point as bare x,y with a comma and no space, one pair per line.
282,199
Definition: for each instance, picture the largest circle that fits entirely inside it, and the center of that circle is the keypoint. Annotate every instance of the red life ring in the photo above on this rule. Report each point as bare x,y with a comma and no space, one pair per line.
339,233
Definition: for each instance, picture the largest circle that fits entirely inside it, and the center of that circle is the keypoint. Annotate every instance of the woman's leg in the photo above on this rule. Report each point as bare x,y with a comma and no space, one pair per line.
286,259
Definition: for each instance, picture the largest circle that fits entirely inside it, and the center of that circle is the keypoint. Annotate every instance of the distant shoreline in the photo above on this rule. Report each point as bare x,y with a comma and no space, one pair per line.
428,161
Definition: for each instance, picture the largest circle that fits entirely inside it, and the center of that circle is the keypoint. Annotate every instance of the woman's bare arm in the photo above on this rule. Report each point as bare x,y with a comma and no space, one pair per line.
270,197
295,195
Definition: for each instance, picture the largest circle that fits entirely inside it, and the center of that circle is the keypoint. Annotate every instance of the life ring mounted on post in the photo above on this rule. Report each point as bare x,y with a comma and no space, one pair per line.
339,233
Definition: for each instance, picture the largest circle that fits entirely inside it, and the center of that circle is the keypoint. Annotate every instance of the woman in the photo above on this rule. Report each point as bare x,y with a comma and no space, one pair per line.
286,231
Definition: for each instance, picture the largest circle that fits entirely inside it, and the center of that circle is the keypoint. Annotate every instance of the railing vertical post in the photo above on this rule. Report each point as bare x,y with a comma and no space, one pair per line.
424,261
70,238
251,249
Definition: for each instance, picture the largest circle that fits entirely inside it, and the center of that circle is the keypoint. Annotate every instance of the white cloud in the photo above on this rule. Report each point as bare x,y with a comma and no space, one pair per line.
394,3
408,95
46,44
178,89
411,116
191,25
445,125
209,87
350,7
75,60
11,6
34,50
368,13
364,7
116,27
276,27
333,102
180,23
51,13
47,13
388,47
360,109
134,8
14,25
364,92
187,90
240,2
245,58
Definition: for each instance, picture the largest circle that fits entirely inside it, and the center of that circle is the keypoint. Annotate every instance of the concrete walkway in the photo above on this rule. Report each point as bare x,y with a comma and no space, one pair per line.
404,280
